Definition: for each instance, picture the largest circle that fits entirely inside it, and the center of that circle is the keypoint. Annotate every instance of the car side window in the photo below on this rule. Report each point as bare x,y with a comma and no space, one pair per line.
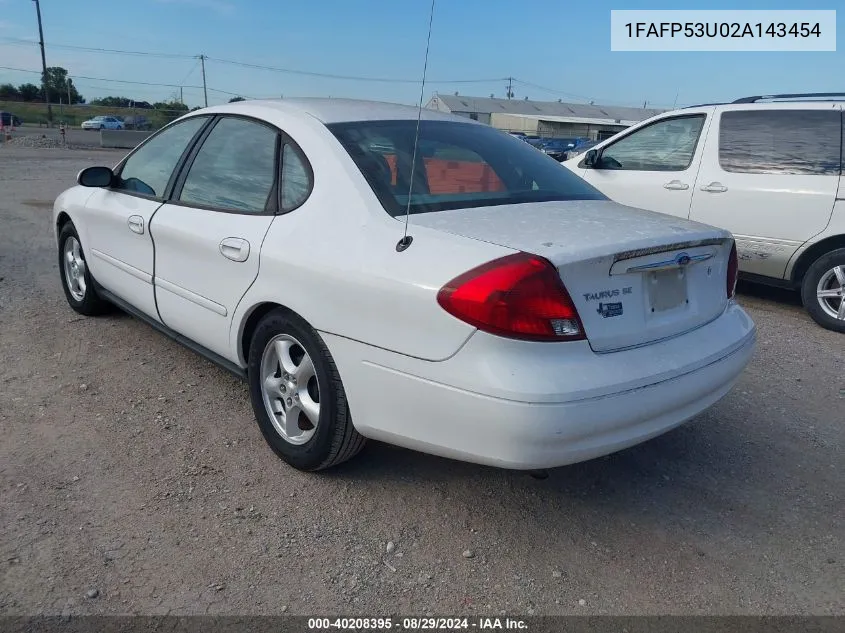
296,180
666,145
148,170
235,169
805,142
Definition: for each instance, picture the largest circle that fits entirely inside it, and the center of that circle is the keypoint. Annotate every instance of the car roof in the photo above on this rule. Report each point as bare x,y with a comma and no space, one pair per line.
329,110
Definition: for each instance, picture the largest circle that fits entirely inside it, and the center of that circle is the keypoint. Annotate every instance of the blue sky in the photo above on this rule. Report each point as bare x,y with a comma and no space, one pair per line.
562,46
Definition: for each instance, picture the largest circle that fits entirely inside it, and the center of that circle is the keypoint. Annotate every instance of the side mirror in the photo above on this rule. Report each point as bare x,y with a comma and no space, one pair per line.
591,158
95,177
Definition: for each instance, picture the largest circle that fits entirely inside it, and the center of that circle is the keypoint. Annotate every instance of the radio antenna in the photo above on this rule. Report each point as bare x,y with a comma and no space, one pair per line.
406,240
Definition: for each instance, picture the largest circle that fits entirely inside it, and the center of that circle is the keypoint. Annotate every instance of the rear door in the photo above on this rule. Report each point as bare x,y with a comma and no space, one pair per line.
115,225
208,236
654,166
770,175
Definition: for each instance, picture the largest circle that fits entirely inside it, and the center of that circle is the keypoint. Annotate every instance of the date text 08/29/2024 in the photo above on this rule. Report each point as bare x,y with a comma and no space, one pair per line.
417,624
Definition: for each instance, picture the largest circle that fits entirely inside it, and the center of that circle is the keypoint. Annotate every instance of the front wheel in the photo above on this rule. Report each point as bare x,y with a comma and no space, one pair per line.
823,290
297,395
76,278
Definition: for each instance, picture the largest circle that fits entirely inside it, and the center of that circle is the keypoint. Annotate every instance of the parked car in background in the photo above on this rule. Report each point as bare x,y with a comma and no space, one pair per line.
9,119
765,168
137,123
579,149
103,123
557,147
526,321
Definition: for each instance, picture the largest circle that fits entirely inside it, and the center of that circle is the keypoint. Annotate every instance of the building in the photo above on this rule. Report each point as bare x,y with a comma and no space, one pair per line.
553,119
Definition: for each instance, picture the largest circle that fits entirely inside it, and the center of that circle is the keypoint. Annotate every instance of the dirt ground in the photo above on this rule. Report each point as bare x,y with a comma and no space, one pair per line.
133,480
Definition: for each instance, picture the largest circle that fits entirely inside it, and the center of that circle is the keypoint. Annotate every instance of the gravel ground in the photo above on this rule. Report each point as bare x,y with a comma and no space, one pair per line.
134,480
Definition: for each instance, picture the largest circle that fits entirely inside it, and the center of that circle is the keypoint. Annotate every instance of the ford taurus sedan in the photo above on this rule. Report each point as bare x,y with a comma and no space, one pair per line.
434,284
102,123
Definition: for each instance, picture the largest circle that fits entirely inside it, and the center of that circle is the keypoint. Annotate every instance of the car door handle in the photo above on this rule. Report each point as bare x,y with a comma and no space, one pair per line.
136,224
676,185
714,187
235,248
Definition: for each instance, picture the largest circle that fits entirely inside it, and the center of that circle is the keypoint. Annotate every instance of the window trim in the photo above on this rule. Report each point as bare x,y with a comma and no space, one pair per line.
780,172
118,169
691,115
309,171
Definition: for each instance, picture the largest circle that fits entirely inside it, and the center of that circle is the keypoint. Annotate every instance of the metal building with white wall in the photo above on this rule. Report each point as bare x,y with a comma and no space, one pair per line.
543,118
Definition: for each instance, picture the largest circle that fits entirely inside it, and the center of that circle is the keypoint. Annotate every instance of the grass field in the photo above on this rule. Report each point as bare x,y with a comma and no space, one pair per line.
36,113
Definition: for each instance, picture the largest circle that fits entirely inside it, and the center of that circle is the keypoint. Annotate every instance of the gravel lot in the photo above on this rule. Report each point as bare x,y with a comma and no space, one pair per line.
134,480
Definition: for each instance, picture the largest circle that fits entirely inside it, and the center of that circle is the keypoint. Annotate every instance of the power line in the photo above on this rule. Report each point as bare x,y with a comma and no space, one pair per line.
278,69
94,49
125,81
309,73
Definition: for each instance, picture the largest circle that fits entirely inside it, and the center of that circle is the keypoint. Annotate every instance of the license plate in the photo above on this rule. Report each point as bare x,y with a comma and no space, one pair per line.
667,289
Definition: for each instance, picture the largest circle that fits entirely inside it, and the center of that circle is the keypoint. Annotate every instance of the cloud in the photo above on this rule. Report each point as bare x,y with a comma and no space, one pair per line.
218,6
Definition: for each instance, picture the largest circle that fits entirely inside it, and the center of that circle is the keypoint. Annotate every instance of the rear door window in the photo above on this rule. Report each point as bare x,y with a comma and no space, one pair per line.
235,169
805,142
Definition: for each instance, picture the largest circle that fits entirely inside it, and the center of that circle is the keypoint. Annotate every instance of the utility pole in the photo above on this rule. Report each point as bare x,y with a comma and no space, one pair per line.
69,102
181,96
44,67
204,89
510,87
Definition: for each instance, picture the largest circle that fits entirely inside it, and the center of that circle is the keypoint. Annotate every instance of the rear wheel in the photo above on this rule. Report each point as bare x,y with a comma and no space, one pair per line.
823,290
76,278
297,396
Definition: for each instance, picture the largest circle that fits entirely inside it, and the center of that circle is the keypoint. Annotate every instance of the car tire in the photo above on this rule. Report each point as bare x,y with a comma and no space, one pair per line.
77,281
827,275
301,408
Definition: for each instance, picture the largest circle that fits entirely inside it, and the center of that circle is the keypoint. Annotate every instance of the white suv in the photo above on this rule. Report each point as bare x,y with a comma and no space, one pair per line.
766,168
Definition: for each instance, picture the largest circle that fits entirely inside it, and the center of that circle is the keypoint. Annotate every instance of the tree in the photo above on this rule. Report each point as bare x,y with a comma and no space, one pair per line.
113,102
59,85
234,99
170,109
9,93
29,92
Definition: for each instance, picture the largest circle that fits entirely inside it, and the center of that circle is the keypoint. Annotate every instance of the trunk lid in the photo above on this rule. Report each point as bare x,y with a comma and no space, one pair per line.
635,276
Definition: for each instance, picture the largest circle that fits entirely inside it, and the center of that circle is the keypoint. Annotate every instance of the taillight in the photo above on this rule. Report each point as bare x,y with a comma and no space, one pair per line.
733,272
517,296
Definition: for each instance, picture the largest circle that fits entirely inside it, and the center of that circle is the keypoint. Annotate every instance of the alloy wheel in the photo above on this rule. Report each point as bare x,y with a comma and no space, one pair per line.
831,292
289,389
75,268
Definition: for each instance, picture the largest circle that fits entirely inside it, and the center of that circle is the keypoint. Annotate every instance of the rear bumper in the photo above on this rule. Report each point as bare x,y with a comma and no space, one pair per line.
581,406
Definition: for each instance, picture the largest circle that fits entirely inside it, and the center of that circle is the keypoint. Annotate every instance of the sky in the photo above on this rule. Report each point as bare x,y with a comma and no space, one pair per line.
556,50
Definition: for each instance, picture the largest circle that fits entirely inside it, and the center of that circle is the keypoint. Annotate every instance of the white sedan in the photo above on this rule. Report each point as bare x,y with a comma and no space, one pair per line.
525,321
103,123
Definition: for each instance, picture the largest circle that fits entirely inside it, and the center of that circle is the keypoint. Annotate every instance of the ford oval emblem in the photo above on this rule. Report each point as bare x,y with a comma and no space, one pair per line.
683,259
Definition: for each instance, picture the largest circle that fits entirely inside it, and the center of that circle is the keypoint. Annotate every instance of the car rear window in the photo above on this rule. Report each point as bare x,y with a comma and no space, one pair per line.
458,165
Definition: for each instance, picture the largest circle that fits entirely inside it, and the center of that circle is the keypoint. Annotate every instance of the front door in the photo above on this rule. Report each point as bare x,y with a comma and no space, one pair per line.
653,167
208,237
770,176
117,236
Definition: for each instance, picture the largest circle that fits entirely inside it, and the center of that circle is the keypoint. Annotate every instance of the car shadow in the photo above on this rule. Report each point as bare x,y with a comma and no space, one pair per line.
707,467
770,293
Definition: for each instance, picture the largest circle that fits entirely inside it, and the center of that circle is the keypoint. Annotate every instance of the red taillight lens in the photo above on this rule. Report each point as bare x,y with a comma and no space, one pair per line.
518,296
733,271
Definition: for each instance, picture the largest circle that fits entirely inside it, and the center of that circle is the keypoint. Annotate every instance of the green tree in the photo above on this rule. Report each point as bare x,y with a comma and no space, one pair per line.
170,110
59,85
29,92
234,99
9,93
113,102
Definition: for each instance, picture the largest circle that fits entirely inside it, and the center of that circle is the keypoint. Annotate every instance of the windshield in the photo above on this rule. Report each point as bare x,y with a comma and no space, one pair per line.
458,165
